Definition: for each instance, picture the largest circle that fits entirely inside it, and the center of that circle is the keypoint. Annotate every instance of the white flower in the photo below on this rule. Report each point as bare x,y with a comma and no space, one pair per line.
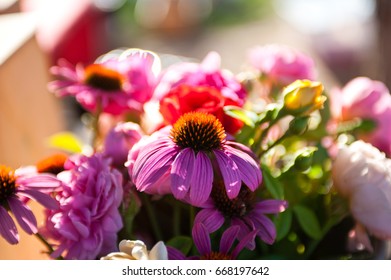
363,174
136,250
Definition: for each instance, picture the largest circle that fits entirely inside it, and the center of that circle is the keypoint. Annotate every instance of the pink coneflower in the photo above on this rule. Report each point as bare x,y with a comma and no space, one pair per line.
113,85
16,188
203,244
243,211
191,156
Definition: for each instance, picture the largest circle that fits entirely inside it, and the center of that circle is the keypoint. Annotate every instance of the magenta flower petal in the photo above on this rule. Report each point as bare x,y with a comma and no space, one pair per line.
41,198
201,184
39,182
201,239
23,215
230,172
243,243
267,230
270,206
246,225
175,254
8,228
212,219
228,239
182,172
249,170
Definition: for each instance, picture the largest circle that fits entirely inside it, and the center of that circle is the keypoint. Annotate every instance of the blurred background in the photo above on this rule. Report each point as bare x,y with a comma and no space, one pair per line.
346,39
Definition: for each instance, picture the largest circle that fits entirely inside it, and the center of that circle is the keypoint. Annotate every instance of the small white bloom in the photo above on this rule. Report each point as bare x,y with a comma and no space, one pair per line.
137,250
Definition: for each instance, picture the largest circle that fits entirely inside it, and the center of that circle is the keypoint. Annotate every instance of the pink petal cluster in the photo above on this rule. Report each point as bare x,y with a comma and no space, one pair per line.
364,98
363,174
113,84
88,220
281,64
206,73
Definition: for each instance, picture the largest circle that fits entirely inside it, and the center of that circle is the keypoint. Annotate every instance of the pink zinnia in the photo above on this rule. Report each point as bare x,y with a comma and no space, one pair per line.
112,84
16,188
190,156
88,220
207,73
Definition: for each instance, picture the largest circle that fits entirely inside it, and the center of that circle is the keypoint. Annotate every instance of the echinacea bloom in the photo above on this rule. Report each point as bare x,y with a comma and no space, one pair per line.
365,99
203,244
87,222
243,211
362,174
111,84
281,64
185,98
207,73
137,250
17,187
190,156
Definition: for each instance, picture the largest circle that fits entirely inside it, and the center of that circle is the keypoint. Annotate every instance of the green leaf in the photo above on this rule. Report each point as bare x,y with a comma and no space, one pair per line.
66,141
283,224
272,184
308,221
248,117
182,243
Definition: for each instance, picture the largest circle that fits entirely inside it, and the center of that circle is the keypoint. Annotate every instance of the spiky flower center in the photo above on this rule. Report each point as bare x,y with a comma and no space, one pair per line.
101,77
236,207
216,256
7,183
199,131
53,164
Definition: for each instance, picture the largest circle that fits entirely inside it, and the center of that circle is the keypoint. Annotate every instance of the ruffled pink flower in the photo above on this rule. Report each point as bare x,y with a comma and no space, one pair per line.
207,73
189,157
112,84
16,188
363,98
281,64
362,174
88,220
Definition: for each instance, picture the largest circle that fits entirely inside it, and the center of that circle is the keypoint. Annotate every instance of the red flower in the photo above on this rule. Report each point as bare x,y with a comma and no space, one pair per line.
185,98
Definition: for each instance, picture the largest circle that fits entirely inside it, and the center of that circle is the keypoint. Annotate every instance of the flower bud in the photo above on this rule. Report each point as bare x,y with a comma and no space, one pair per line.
302,97
298,126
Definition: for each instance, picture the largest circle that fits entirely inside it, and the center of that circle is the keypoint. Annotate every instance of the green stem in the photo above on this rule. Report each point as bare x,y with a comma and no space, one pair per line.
95,126
47,245
152,217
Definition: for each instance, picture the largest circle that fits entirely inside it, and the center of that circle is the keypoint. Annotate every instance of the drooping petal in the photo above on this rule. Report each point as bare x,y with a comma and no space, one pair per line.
267,230
38,182
270,206
246,226
23,215
212,219
201,183
230,172
249,170
182,172
8,228
201,239
42,198
228,238
243,243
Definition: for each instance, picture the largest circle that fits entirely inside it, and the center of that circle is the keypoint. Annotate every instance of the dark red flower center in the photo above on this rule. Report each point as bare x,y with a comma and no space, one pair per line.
236,207
199,131
53,164
101,77
7,183
216,256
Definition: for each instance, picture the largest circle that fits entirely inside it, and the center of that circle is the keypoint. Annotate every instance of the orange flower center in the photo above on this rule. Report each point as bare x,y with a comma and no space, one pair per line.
101,77
7,183
199,131
236,207
53,164
216,256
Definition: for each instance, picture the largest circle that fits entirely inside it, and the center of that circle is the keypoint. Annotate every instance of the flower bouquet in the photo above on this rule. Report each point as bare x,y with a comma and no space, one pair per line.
194,162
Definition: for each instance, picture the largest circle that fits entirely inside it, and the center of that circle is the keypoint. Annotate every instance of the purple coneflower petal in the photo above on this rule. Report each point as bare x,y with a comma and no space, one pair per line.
7,227
42,198
230,172
23,215
201,239
267,230
228,239
246,226
175,254
38,182
201,183
270,206
212,219
182,172
249,170
243,243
